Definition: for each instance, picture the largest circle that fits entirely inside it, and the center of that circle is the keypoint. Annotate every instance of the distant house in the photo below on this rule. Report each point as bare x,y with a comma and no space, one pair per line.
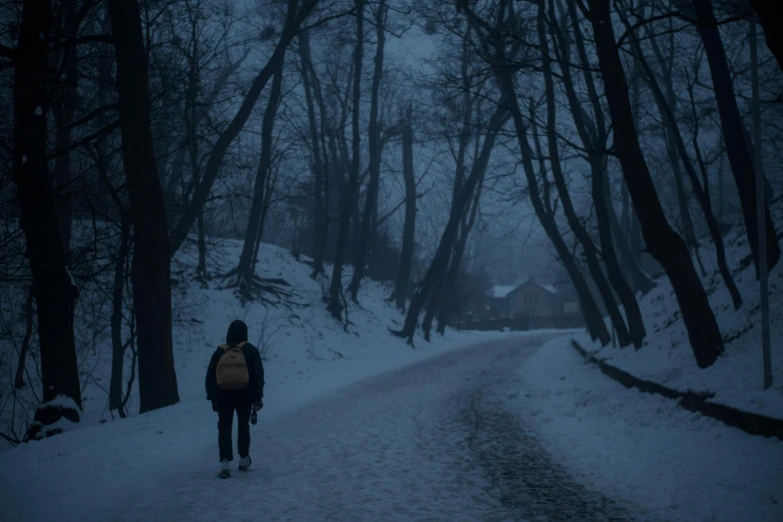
532,299
498,301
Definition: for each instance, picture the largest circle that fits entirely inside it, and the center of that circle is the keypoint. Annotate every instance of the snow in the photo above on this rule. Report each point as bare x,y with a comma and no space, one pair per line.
65,402
646,449
736,377
549,288
343,448
501,291
307,354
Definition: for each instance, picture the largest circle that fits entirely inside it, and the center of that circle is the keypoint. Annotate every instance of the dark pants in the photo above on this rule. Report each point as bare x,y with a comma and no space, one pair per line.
227,404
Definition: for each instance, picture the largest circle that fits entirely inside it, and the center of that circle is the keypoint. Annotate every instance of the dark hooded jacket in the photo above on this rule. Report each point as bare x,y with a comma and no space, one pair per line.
254,391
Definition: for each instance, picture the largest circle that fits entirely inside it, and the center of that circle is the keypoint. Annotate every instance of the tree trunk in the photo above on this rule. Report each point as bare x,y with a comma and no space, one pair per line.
319,216
631,228
630,224
245,268
640,280
599,188
677,149
64,110
614,271
294,19
371,199
336,289
409,227
117,346
28,335
733,134
201,269
664,244
193,114
565,198
54,291
447,305
769,16
434,304
150,269
443,251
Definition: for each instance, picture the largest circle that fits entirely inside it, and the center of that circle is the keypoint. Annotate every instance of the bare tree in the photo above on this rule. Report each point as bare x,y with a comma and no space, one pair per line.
245,268
54,291
591,256
664,244
733,131
367,231
676,147
296,15
494,51
595,144
320,183
150,270
409,226
443,252
336,287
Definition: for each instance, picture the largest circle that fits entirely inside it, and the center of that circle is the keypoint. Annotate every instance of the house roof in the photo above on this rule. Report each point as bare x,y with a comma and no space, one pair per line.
501,291
549,288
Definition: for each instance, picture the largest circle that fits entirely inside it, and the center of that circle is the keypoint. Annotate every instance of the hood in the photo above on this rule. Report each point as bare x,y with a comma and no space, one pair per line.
237,332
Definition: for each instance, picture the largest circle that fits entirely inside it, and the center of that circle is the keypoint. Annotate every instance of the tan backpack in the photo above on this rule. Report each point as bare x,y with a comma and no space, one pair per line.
232,372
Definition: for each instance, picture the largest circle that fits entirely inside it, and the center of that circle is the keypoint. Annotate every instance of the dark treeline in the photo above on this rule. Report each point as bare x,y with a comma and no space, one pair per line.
137,130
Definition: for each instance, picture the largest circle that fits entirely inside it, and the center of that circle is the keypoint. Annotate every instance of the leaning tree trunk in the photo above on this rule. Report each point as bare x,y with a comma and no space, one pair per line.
641,281
295,16
371,199
594,321
336,288
734,134
434,304
664,244
447,307
677,148
54,291
443,251
599,187
409,226
581,234
245,269
628,254
150,269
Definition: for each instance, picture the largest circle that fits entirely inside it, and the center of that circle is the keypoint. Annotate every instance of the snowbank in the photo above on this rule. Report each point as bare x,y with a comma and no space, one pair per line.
736,377
299,340
646,449
307,354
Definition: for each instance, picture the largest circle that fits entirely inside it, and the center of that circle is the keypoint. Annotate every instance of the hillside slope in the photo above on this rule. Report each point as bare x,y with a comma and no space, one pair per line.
301,343
736,377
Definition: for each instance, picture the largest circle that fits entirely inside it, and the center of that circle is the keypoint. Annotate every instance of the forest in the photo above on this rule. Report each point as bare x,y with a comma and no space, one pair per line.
396,141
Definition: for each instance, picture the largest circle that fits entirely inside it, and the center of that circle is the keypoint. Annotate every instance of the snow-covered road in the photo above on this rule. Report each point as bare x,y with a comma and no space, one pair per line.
431,441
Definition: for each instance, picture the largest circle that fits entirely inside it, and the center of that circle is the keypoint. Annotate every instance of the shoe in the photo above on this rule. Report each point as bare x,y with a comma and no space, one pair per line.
225,471
244,463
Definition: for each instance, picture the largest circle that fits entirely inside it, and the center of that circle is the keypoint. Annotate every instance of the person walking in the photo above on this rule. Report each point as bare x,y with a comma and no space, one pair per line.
235,383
